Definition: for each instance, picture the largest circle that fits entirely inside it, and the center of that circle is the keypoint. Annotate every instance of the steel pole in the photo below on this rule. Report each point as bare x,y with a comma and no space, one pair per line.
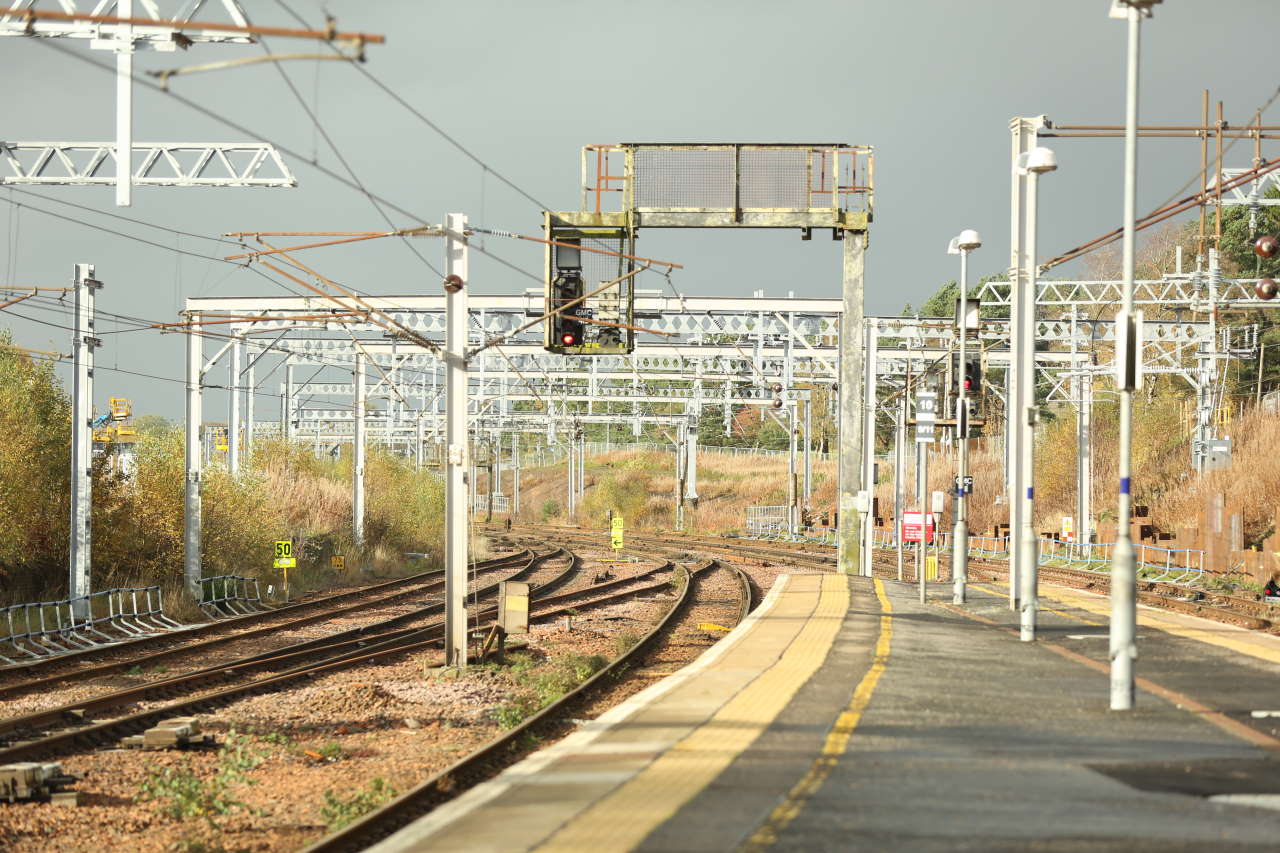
357,456
899,474
286,405
1124,615
1028,574
1084,459
515,475
248,411
457,504
922,501
960,533
1013,409
82,441
233,407
194,459
808,449
124,105
792,521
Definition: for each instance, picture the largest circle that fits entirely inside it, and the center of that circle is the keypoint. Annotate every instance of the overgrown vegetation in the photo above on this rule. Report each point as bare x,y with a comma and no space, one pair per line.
339,812
539,683
281,492
183,794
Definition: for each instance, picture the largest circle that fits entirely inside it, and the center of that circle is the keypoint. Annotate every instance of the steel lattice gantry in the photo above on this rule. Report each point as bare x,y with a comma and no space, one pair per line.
725,353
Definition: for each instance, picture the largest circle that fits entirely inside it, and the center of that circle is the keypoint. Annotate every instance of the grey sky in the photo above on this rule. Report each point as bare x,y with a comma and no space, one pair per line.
931,84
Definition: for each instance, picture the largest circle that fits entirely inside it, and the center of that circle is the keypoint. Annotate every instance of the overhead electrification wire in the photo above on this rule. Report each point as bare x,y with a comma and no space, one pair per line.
333,146
203,110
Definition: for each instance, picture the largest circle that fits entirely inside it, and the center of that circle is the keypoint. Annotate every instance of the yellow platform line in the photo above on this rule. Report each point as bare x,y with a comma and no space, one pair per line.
837,741
1241,640
623,819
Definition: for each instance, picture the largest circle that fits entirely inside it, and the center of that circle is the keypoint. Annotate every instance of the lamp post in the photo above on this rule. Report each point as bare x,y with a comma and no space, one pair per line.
1124,616
1033,164
966,319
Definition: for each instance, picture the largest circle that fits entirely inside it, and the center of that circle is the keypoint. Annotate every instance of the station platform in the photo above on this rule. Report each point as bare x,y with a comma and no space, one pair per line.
845,715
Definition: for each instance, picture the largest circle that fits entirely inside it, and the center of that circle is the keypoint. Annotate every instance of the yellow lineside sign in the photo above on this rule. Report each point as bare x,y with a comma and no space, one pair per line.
615,535
284,555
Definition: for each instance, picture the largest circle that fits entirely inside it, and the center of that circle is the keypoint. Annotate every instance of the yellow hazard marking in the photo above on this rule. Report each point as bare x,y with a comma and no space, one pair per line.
711,626
837,739
621,820
1261,646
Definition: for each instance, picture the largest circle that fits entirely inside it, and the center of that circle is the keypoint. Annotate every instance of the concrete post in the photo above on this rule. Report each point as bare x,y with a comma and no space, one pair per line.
194,460
249,396
457,501
82,440
850,476
869,444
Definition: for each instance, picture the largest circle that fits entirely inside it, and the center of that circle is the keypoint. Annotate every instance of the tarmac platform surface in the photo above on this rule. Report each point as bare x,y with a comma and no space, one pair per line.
845,715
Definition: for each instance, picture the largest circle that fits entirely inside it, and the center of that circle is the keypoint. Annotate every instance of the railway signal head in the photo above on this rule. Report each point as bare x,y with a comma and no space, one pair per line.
1266,288
1266,246
972,373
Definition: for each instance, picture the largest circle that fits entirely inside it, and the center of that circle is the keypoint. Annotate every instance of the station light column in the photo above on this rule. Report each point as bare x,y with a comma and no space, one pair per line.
1123,639
1033,163
967,241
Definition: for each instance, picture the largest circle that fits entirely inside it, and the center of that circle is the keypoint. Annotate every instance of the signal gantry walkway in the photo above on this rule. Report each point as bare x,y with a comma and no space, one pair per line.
845,715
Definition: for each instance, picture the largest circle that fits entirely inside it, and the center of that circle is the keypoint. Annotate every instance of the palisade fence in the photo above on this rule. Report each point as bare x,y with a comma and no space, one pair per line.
480,504
1166,565
551,455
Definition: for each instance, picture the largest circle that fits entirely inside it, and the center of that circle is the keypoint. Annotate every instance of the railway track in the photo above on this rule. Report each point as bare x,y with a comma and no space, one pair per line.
26,736
56,730
504,750
296,615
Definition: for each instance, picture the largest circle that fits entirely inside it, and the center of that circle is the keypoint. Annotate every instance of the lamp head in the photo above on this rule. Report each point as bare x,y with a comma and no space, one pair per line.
966,240
1037,161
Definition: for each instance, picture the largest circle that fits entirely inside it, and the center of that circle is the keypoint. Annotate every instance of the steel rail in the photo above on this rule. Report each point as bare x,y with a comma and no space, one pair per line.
322,645
480,764
399,643
211,627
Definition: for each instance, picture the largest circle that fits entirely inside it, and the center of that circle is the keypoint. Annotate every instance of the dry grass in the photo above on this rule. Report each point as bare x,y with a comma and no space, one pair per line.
641,486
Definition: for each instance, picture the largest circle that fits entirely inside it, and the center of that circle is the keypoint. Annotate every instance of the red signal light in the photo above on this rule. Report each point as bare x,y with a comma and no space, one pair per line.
968,385
568,339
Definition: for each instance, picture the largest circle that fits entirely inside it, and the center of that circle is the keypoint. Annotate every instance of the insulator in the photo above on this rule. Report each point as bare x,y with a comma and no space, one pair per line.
1266,246
1266,288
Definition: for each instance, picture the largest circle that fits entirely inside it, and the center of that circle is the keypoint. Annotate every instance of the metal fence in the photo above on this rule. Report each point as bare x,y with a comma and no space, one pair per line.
480,504
45,629
1167,565
230,595
768,520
